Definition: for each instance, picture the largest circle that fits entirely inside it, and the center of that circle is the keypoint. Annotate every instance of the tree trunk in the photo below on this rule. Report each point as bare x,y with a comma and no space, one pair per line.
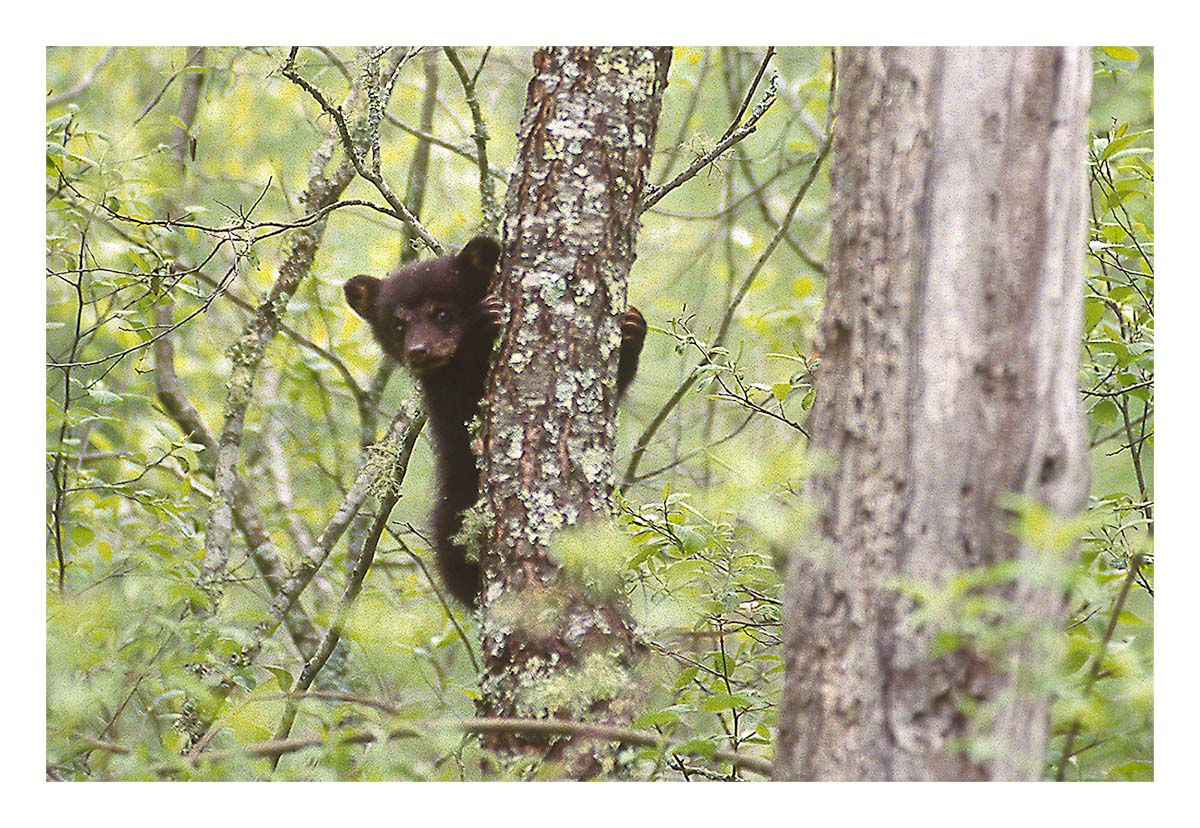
551,648
949,380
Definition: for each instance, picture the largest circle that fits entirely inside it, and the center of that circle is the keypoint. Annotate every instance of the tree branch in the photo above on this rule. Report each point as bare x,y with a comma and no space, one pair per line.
324,187
405,426
1135,564
647,435
349,145
84,82
487,190
399,467
653,195
276,748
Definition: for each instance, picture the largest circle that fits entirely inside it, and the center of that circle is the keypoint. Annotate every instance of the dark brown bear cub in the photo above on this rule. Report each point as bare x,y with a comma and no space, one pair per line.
437,319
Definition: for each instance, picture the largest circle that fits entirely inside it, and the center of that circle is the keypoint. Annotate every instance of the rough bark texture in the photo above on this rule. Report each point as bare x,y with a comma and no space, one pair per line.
585,145
949,379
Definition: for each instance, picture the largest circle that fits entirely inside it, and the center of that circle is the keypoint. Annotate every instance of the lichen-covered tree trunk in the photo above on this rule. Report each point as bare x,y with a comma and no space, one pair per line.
949,380
585,142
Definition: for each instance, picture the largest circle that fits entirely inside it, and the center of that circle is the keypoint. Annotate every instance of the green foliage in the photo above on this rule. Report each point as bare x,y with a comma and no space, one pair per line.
153,212
1105,715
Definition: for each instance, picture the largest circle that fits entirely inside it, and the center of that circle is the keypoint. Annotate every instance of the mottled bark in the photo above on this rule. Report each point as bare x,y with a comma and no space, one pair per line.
949,379
571,219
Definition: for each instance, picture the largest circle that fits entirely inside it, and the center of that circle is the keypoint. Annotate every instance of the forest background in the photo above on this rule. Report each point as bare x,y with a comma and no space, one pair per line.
134,478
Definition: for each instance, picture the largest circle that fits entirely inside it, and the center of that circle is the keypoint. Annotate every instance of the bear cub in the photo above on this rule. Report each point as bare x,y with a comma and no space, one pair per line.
437,319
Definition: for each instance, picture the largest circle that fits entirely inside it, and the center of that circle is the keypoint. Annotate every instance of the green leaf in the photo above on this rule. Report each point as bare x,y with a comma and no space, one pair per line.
657,718
694,747
58,123
1120,52
680,572
1118,144
1093,313
685,677
254,716
282,676
1139,770
724,701
1105,412
104,396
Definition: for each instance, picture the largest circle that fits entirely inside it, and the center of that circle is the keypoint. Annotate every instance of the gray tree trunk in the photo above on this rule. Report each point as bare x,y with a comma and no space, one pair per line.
585,142
948,381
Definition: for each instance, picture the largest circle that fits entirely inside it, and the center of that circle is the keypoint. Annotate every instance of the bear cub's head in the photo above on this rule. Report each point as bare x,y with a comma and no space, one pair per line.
421,313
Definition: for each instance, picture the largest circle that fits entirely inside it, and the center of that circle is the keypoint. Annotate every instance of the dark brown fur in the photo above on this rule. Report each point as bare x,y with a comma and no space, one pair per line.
437,319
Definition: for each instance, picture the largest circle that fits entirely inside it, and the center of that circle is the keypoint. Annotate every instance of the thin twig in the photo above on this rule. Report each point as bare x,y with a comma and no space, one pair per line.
757,190
324,186
405,425
1135,564
647,435
59,473
441,599
653,196
246,515
533,727
187,66
352,153
487,190
418,169
362,565
1119,393
426,135
357,391
762,67
673,154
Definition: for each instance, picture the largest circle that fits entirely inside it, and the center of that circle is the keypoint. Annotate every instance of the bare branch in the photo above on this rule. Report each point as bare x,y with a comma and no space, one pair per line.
647,435
653,196
276,748
404,428
750,93
84,82
324,188
487,191
399,466
349,145
1135,565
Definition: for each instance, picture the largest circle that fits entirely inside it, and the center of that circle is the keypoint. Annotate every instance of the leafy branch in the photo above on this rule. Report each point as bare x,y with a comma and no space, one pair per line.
1093,675
276,748
647,435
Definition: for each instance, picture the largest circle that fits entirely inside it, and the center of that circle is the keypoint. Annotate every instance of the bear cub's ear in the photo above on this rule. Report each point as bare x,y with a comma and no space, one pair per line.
361,293
478,258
